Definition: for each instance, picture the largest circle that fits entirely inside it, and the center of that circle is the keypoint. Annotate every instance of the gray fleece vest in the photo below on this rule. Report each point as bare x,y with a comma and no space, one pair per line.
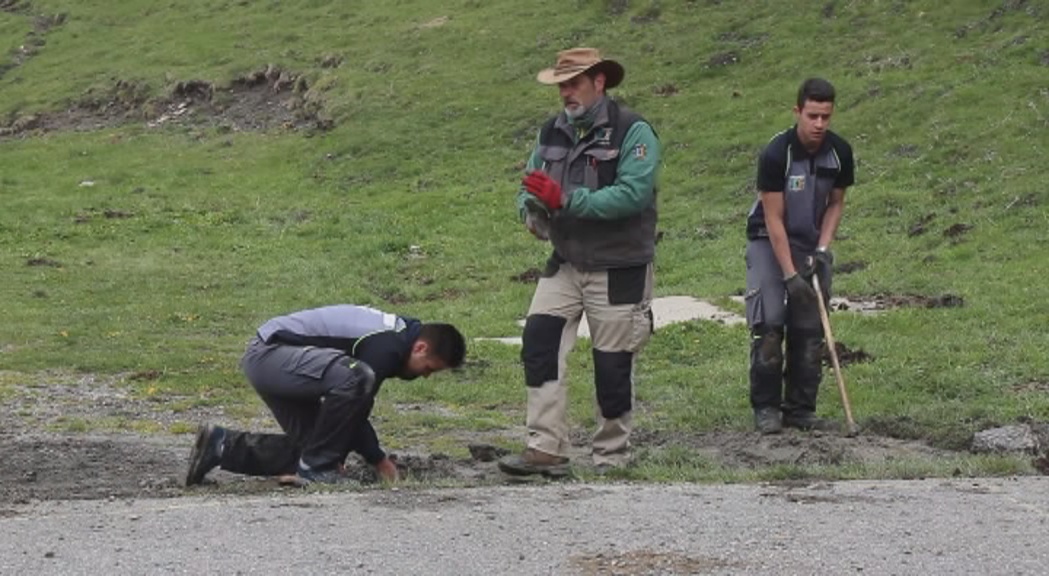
589,243
807,185
335,326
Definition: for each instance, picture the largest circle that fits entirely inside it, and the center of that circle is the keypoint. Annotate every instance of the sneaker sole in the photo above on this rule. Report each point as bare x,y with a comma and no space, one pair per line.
292,480
198,452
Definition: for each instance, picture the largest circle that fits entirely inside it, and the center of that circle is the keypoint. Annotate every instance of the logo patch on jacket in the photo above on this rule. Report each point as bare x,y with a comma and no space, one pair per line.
604,136
796,183
640,151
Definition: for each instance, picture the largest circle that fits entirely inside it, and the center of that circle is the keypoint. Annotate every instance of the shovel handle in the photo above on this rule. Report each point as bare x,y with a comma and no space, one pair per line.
825,320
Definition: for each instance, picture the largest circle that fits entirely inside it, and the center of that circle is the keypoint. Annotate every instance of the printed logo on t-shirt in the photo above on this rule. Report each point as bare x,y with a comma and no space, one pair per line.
796,183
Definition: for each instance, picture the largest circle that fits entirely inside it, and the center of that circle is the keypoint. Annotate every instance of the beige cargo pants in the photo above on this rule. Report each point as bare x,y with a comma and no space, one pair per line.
617,304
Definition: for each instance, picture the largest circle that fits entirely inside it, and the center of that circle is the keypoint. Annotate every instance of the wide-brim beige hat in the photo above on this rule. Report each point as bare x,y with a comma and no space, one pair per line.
572,63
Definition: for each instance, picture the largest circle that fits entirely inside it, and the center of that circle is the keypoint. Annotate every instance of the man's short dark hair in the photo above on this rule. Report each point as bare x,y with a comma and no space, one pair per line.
816,90
446,343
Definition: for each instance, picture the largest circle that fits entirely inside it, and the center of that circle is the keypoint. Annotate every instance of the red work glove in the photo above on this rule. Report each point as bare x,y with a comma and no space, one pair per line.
541,186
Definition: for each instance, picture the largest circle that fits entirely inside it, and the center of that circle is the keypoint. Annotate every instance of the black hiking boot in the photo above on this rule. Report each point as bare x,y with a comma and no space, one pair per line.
805,420
206,454
768,420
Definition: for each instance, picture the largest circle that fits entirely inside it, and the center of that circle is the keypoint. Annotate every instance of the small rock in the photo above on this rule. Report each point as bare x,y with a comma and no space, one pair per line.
1006,439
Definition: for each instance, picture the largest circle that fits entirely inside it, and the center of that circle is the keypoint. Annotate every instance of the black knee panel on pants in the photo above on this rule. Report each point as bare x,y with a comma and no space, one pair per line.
805,356
541,343
612,375
767,352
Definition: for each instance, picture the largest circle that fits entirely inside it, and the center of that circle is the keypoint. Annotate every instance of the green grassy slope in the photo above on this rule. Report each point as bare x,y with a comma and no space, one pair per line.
407,203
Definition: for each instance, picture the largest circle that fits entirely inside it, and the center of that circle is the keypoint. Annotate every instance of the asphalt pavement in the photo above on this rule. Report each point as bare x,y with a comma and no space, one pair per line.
936,526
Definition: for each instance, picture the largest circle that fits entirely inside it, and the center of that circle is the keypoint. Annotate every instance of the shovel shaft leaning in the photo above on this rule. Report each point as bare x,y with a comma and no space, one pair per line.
825,320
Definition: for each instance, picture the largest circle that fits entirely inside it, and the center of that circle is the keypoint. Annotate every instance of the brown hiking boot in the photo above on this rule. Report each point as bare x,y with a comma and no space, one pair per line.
532,461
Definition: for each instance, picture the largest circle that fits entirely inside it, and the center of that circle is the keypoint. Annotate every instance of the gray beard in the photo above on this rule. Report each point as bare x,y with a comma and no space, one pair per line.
576,113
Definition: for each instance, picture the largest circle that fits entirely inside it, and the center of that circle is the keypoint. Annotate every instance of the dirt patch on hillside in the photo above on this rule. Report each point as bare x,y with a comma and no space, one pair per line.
62,402
751,450
264,100
35,39
47,458
52,466
879,302
870,304
846,355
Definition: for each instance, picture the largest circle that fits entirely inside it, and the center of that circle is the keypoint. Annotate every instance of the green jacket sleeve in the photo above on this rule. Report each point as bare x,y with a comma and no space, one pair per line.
533,164
635,183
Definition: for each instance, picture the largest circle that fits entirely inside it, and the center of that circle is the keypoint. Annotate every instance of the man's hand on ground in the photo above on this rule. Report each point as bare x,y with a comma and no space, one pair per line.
387,470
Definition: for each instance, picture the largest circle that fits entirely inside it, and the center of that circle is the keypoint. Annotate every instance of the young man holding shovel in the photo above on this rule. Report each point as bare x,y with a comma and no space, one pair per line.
802,176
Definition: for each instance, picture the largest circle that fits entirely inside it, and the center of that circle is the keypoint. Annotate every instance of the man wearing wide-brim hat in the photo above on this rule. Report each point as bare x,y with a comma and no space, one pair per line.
590,189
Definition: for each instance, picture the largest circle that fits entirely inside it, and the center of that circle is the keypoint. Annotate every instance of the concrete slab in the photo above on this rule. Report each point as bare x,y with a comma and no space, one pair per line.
665,311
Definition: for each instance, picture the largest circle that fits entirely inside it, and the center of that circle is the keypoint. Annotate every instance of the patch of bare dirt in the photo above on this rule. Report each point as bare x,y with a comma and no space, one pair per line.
1032,387
39,261
918,228
264,100
12,6
48,466
65,401
35,39
957,230
644,562
892,301
722,59
668,89
105,461
1041,464
530,276
56,466
850,267
751,450
846,355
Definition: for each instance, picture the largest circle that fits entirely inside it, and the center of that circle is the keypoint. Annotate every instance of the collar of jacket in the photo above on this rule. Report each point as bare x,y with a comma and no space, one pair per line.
596,116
